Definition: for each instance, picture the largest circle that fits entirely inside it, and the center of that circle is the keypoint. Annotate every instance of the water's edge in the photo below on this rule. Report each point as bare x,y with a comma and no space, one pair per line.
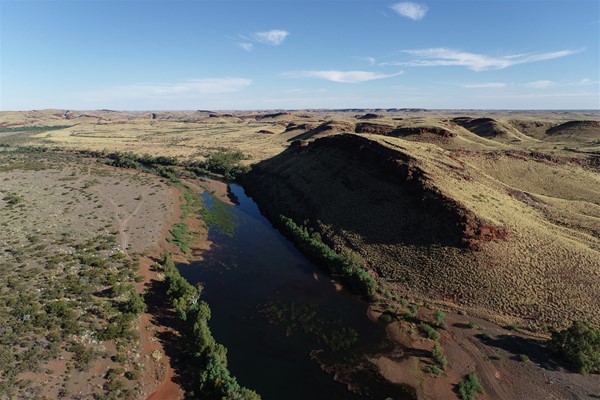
283,320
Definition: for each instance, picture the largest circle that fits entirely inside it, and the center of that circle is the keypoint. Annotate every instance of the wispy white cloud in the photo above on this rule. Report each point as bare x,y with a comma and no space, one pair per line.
587,81
246,46
189,89
539,84
487,85
341,76
273,37
438,57
414,11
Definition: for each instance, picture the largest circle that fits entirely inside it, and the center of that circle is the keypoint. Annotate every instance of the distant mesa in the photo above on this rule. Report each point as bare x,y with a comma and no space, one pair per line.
278,115
410,110
370,116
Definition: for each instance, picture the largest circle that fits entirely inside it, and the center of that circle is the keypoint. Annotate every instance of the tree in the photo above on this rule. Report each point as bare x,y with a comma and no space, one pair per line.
579,345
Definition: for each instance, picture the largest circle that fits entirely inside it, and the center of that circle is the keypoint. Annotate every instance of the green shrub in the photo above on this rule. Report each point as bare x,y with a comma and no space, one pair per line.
385,317
429,331
469,386
134,304
439,357
579,345
439,316
472,325
114,373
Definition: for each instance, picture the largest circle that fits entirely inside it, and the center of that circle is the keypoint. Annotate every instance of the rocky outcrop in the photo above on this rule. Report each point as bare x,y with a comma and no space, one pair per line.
590,161
304,127
370,127
420,131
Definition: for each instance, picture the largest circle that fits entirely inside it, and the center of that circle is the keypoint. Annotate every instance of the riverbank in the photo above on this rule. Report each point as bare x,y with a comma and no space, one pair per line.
160,331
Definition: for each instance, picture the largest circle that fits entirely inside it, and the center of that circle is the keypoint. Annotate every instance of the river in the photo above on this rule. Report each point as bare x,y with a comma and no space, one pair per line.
272,308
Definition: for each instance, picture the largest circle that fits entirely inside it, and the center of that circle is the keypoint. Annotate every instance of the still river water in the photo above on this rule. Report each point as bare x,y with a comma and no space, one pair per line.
252,266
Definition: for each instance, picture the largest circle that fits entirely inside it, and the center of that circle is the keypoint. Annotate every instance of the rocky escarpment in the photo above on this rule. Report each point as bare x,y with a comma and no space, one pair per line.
351,183
381,202
419,131
370,127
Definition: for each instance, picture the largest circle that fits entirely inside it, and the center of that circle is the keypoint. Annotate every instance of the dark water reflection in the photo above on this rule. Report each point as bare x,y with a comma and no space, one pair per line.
253,265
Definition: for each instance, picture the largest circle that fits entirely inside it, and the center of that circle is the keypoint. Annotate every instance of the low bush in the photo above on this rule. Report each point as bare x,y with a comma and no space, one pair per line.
429,331
439,357
579,345
469,387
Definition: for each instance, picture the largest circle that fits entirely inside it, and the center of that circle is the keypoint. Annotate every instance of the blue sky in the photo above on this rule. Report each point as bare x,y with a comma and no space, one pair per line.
225,55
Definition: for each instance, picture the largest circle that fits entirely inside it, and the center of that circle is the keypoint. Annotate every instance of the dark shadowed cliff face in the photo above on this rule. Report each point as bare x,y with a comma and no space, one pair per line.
350,184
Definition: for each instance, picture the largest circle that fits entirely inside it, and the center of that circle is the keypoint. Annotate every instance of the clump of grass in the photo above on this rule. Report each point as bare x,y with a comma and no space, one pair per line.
12,199
181,237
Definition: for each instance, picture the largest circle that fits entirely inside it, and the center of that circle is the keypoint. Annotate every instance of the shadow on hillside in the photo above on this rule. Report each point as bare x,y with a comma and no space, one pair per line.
310,133
355,186
532,348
